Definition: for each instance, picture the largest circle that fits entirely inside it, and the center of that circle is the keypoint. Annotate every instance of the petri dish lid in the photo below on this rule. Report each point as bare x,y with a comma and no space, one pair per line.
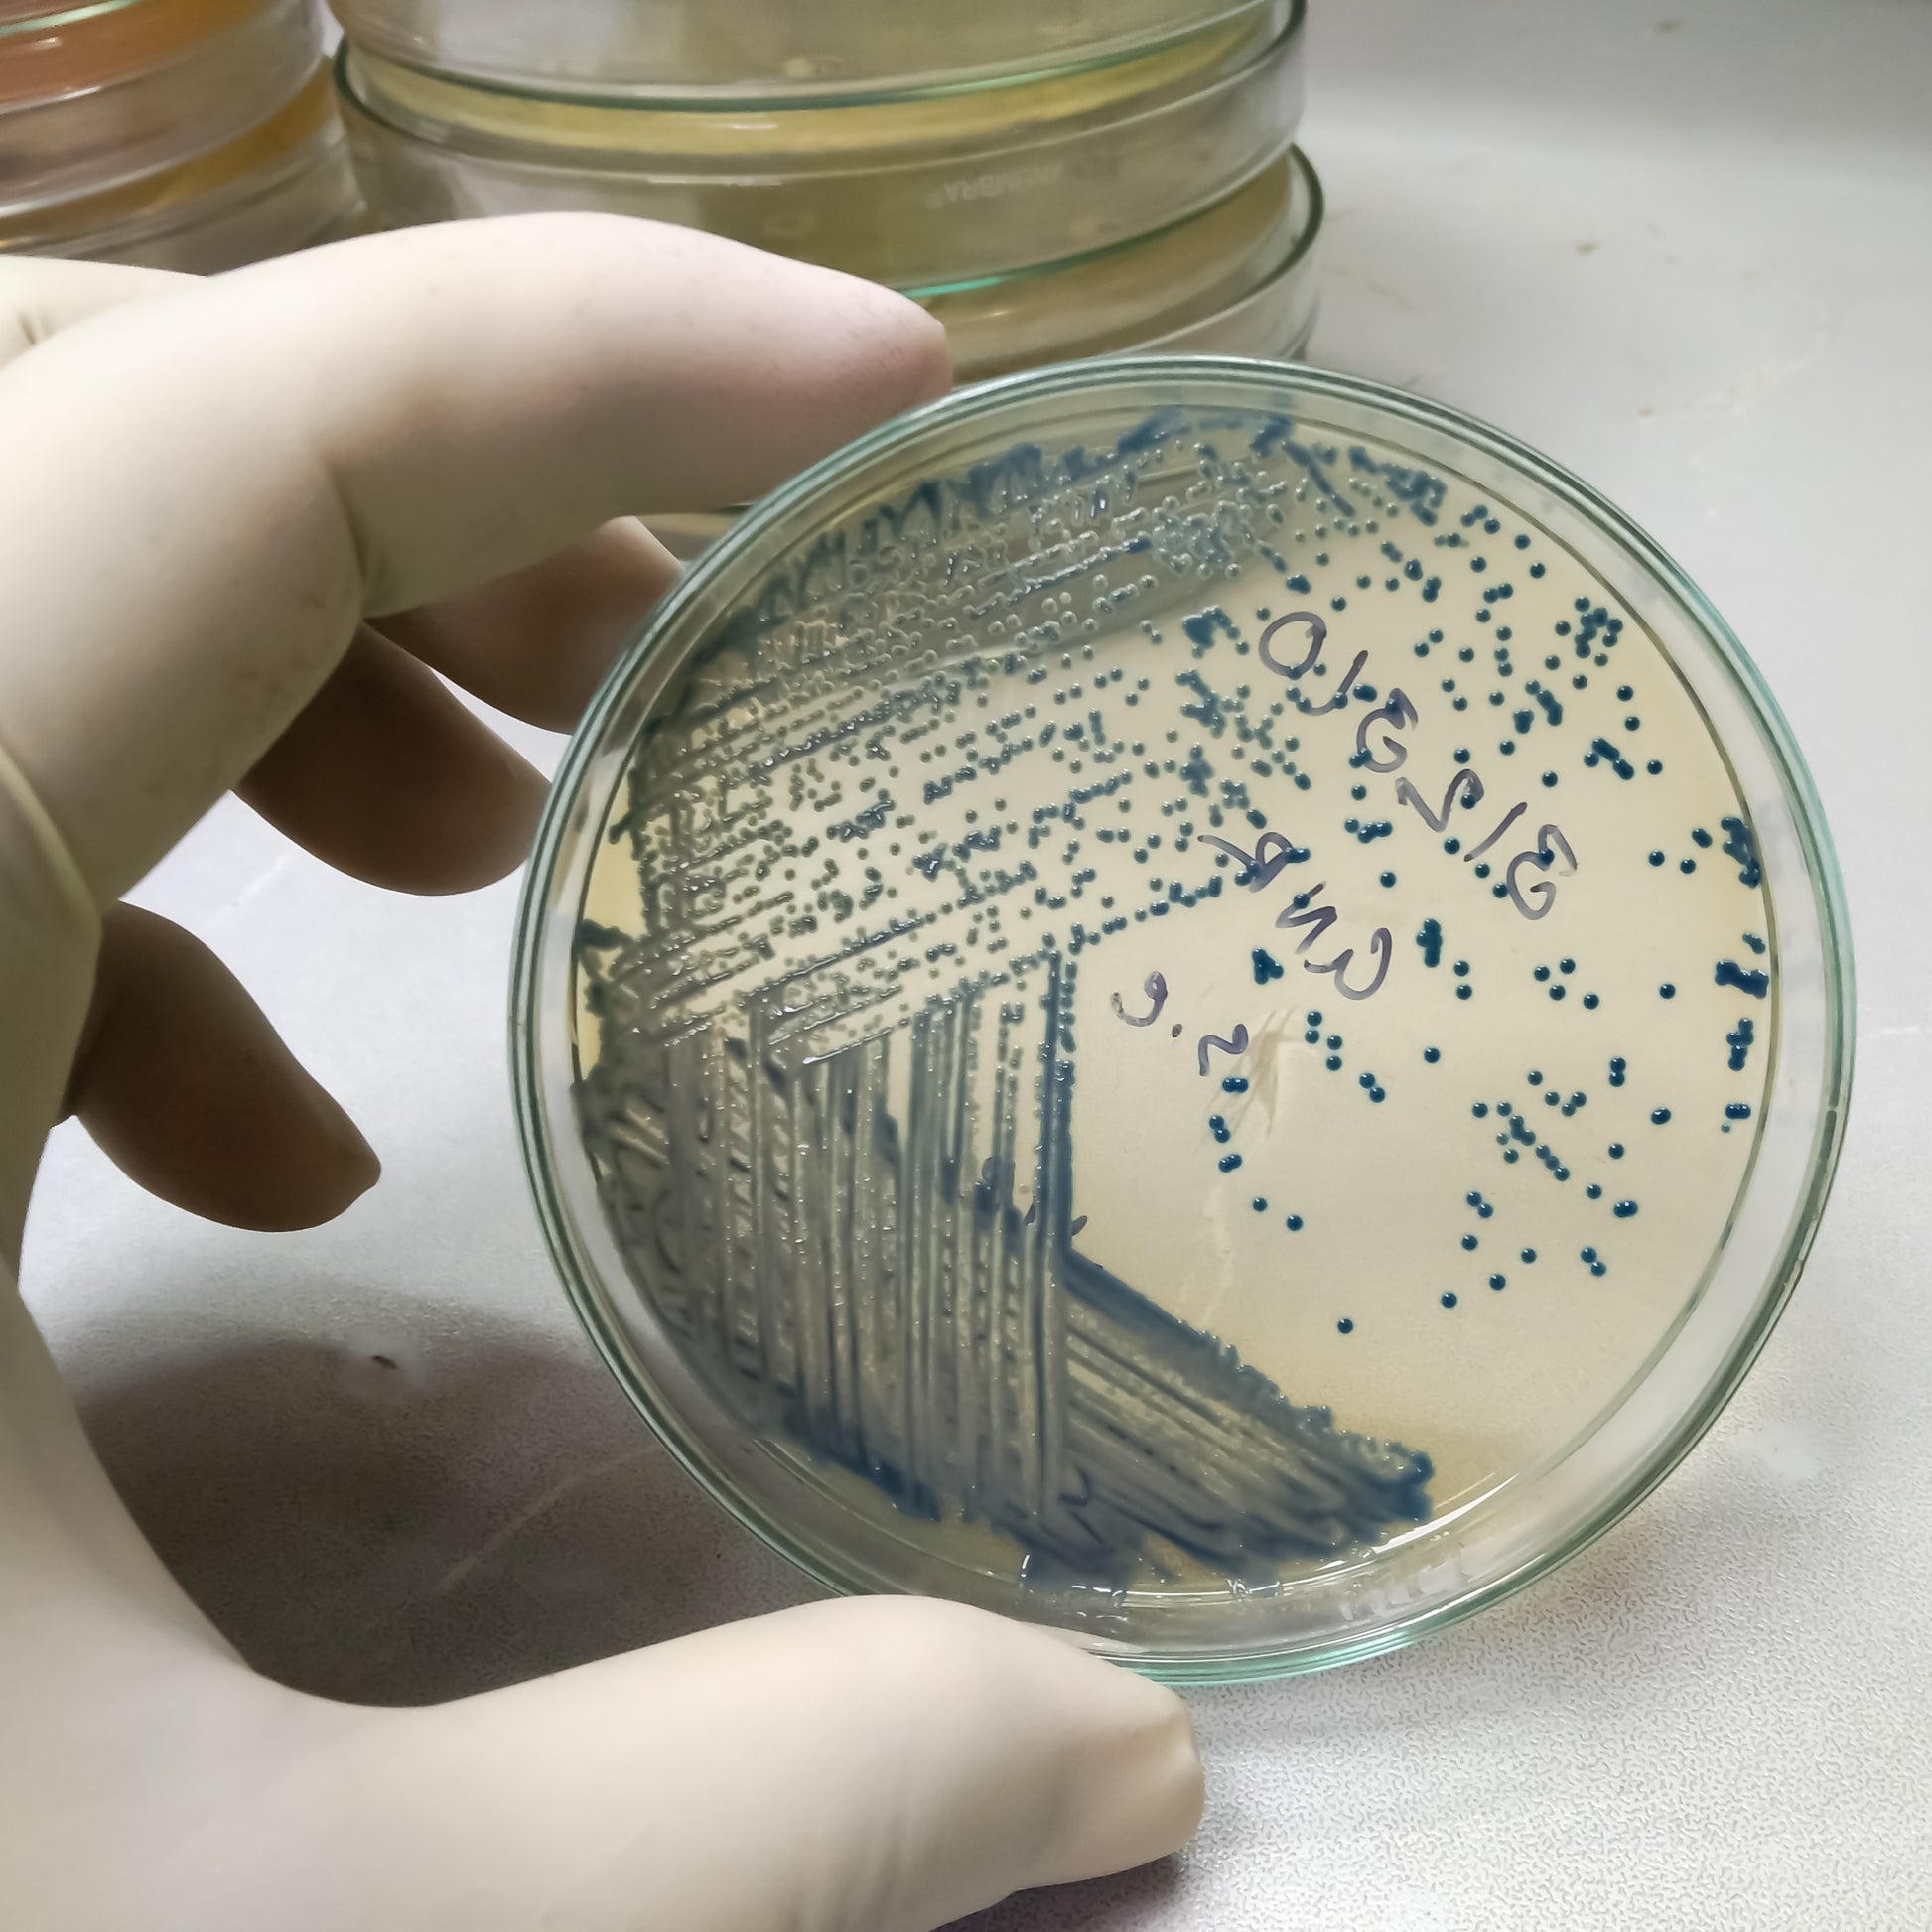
773,50
1189,998
94,96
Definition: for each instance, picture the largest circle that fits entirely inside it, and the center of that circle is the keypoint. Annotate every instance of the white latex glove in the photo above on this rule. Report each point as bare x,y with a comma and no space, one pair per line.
206,489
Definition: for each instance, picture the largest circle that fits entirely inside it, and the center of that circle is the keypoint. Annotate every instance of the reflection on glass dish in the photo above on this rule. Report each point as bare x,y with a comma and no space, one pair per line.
1188,999
280,186
96,97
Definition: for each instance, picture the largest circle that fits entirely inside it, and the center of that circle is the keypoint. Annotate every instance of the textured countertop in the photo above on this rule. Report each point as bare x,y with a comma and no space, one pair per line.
1686,249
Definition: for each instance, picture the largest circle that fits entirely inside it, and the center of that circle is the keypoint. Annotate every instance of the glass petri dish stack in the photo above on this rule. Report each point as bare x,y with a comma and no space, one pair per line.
1189,998
185,134
1054,180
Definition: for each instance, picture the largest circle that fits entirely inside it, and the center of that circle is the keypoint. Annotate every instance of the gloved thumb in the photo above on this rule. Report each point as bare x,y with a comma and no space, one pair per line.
867,1765
870,1765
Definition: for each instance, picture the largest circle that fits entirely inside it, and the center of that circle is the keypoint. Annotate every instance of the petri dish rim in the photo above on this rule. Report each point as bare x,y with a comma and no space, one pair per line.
14,26
636,676
1242,290
1302,243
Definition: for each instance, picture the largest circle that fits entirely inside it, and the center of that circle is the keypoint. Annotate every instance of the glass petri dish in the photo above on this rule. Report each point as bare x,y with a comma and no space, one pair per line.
1187,277
918,192
279,187
94,96
778,50
1188,999
1271,322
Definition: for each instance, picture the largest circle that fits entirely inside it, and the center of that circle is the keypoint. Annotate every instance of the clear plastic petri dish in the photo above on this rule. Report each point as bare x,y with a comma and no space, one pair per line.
1188,999
94,96
775,49
916,192
279,187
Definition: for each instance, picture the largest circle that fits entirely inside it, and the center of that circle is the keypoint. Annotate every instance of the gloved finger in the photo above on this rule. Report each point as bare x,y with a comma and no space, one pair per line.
39,299
384,773
871,1765
187,1089
537,643
273,453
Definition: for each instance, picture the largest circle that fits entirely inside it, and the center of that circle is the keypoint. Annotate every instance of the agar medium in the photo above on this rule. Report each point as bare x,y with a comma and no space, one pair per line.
1188,999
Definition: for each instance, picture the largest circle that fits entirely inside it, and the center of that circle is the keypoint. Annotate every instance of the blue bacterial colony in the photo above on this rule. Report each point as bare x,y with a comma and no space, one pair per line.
959,881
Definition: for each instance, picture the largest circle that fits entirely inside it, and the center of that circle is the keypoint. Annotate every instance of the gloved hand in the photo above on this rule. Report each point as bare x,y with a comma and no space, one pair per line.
239,522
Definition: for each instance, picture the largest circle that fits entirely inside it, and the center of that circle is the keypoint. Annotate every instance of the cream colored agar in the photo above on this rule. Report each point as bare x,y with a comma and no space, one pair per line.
1501,1383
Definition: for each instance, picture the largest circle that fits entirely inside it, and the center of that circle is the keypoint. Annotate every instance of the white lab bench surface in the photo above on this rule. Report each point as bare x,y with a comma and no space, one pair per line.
1686,249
